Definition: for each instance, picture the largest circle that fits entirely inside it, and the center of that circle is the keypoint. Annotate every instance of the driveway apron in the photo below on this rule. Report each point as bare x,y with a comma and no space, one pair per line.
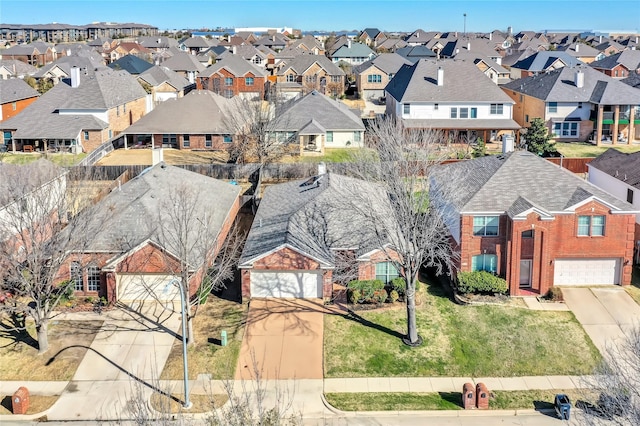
283,340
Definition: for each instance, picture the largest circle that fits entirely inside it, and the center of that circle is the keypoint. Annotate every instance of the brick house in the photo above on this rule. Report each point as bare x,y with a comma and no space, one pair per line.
231,76
78,114
374,75
195,121
15,95
306,73
578,104
619,65
302,239
535,224
36,54
131,256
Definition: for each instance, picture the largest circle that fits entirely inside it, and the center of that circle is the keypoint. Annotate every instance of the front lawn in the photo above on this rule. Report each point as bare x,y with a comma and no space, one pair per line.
61,159
586,149
68,342
475,341
634,288
401,401
207,356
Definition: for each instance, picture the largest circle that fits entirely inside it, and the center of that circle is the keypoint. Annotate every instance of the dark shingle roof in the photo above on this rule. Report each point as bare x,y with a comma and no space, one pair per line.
389,63
622,166
508,182
132,64
541,61
15,89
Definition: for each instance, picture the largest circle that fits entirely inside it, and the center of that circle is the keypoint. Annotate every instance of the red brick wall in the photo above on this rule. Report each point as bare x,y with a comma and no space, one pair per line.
87,259
554,239
239,83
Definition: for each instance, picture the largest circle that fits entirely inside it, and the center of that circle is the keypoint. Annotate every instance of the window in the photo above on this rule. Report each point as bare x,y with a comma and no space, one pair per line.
464,112
526,118
311,78
590,226
406,109
436,107
86,135
228,81
257,60
553,107
496,109
486,225
527,234
228,94
474,112
356,136
14,105
374,78
329,136
118,111
579,104
208,141
186,143
227,139
169,139
454,113
291,78
485,262
629,195
124,108
336,79
386,271
566,129
75,273
93,278
248,81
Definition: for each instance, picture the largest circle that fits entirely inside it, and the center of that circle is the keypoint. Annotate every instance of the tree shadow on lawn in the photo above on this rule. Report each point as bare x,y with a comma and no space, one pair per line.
352,316
14,330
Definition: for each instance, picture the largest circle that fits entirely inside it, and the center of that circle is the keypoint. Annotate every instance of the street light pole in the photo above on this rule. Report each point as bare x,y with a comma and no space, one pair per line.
465,24
187,403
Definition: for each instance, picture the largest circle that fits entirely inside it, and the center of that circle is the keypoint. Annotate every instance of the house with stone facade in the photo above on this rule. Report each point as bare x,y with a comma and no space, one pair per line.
302,236
561,230
374,75
78,114
578,104
306,73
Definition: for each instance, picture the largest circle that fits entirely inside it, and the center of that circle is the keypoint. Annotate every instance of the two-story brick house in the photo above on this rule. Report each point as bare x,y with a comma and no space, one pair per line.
374,75
452,96
306,73
232,76
619,65
535,224
578,104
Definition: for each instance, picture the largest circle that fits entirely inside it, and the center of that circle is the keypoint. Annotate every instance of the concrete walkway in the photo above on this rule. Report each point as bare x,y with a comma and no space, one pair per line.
607,314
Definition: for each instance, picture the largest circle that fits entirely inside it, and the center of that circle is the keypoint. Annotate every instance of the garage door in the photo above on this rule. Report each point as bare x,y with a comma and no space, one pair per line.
286,284
137,287
586,272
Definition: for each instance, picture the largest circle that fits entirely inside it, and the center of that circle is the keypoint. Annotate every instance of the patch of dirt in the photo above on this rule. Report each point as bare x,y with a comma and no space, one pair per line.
171,156
37,404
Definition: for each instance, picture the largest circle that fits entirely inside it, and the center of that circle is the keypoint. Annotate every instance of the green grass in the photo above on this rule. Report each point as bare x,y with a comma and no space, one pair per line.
585,149
331,155
400,401
64,160
475,341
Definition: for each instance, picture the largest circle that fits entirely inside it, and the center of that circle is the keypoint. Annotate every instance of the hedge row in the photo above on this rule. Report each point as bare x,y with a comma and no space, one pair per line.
481,282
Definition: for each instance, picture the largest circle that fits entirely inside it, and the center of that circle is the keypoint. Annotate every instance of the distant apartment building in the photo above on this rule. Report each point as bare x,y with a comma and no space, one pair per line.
58,33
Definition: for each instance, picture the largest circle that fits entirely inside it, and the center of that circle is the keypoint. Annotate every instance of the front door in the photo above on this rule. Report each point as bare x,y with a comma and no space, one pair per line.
525,273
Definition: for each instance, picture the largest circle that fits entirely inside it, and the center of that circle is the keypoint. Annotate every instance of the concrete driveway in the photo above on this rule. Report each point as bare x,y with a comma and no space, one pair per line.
282,340
607,314
130,349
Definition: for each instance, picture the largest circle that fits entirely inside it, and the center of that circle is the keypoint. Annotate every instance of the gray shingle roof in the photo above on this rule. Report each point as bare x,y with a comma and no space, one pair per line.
156,75
357,50
199,112
541,61
312,218
236,65
182,61
630,59
501,183
622,166
138,209
463,82
17,68
389,63
559,86
15,89
329,113
302,63
67,62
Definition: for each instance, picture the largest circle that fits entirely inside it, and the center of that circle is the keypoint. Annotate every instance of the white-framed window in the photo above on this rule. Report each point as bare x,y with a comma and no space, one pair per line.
526,118
374,78
566,129
248,81
186,141
464,112
118,111
228,81
436,107
474,112
486,226
454,113
169,139
553,107
124,108
257,60
329,136
485,262
356,136
291,78
336,79
228,93
227,139
406,109
591,226
208,141
14,106
93,278
496,109
86,135
75,274
386,271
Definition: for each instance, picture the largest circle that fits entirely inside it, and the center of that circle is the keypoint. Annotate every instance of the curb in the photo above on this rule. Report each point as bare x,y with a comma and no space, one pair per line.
24,417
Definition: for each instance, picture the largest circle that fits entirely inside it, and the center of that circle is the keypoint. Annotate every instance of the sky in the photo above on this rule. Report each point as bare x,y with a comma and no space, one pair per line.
389,15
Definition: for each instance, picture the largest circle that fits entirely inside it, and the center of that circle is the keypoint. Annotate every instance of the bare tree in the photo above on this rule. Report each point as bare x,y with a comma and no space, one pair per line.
617,384
193,234
39,228
415,233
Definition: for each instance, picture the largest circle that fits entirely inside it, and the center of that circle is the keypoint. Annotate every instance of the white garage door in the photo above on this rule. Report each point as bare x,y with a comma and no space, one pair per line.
586,272
139,287
286,284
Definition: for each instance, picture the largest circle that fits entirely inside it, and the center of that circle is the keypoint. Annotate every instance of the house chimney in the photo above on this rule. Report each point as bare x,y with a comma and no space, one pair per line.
68,52
157,156
322,168
579,79
577,47
468,46
490,36
440,76
349,43
75,77
600,40
234,49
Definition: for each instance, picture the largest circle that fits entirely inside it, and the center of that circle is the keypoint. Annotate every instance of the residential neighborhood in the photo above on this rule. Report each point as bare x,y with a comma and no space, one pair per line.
214,224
